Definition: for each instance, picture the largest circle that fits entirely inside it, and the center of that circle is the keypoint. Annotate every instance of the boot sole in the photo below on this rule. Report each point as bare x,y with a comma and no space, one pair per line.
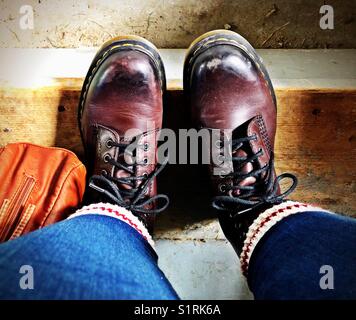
223,37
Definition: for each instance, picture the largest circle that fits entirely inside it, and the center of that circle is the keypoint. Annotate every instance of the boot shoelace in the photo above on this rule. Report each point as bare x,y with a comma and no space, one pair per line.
131,198
262,192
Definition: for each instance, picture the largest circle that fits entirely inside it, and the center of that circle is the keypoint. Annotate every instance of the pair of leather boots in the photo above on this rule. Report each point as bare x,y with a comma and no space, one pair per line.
228,88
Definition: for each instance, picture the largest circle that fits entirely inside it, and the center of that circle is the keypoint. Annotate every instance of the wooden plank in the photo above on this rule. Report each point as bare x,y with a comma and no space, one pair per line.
315,138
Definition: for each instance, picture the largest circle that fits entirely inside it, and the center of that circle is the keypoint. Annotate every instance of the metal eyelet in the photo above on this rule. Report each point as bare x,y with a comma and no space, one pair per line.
222,187
109,143
145,161
221,158
222,174
146,146
218,144
104,172
107,157
145,174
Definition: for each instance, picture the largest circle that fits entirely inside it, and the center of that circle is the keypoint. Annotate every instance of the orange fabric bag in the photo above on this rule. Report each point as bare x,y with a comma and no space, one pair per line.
38,186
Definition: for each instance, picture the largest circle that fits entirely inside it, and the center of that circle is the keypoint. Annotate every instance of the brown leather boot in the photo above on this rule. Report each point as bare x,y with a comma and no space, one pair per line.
120,115
229,88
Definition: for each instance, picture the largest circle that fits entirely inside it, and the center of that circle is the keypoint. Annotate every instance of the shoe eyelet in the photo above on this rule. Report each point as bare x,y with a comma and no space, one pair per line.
146,146
218,144
222,187
145,174
107,157
145,161
222,174
109,143
221,158
104,172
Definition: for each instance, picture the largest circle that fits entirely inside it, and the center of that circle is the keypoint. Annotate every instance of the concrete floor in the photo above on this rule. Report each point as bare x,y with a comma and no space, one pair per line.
175,23
203,270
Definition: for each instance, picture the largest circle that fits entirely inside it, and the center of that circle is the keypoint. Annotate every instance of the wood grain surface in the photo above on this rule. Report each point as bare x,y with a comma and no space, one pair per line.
315,137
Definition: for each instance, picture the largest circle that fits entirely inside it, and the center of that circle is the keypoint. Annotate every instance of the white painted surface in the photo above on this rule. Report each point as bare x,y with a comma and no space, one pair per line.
288,68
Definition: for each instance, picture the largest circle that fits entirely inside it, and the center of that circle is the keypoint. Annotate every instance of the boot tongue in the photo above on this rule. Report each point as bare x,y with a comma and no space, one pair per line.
139,160
127,161
257,127
128,157
252,127
248,167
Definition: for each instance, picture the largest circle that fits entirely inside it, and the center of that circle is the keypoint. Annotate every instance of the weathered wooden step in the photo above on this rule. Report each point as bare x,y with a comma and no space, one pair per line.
316,91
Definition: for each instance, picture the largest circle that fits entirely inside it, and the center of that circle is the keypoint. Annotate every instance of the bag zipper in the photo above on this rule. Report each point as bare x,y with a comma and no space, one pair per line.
11,218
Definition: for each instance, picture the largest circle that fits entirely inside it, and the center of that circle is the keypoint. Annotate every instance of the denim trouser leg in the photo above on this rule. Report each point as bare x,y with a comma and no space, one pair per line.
288,261
99,257
87,257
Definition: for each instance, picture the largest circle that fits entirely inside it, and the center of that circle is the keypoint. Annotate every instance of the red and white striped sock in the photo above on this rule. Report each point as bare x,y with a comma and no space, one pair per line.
265,221
116,212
